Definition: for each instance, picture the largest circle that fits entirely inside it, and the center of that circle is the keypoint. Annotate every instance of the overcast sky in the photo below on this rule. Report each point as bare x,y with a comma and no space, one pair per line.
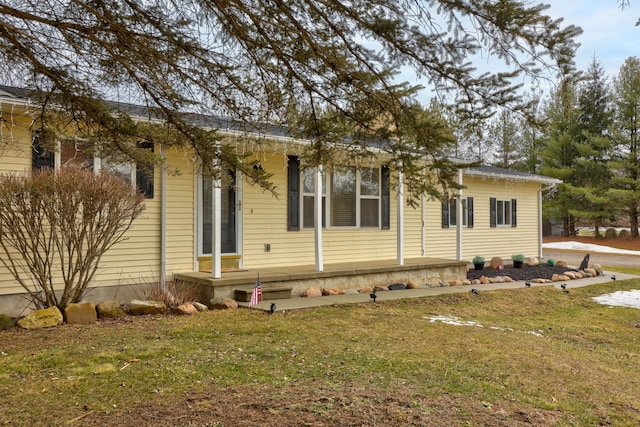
609,32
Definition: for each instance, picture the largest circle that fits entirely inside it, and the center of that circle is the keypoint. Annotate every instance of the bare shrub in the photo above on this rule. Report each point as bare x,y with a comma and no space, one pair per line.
173,293
57,225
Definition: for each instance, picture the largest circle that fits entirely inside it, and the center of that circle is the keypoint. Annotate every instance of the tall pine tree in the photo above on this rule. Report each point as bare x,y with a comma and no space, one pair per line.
626,162
593,144
560,153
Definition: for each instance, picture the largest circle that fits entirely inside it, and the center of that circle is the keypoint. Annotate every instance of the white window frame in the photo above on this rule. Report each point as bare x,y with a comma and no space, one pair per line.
453,211
97,161
503,220
327,183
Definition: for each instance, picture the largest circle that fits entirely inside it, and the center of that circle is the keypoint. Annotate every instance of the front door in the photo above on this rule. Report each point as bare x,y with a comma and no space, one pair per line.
228,218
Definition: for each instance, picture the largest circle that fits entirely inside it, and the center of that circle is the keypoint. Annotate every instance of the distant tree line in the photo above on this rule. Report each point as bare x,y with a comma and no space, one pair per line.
586,132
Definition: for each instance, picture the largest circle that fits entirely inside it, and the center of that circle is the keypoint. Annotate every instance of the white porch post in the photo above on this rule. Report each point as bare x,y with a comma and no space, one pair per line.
163,220
459,219
216,229
400,219
317,219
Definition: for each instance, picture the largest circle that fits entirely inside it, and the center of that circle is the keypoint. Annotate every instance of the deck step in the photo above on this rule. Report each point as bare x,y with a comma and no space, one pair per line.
268,293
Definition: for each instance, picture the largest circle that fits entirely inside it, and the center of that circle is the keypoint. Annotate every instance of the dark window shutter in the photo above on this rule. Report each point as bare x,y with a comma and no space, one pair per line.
386,198
293,194
514,215
492,212
40,156
445,214
144,176
469,212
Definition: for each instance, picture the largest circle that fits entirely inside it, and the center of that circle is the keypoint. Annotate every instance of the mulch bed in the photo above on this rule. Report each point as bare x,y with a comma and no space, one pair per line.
542,271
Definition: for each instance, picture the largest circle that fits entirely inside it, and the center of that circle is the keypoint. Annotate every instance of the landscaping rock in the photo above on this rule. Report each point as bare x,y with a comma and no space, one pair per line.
332,291
433,282
186,308
484,280
366,290
138,307
533,262
110,310
455,282
413,285
224,304
397,287
380,288
560,278
199,306
6,322
312,292
496,263
45,318
81,314
561,263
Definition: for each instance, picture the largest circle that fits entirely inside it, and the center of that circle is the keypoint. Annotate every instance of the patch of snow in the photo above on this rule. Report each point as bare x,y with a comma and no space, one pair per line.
620,299
456,321
453,320
578,246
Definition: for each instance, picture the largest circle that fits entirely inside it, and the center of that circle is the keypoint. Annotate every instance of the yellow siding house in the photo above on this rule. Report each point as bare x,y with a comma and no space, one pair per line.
363,219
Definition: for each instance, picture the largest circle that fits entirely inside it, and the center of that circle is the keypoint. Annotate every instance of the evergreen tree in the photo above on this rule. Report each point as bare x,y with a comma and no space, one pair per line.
506,138
532,136
626,162
592,172
326,68
560,153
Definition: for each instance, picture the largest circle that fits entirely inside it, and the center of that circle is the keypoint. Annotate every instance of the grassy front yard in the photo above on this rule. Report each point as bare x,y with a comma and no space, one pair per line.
533,357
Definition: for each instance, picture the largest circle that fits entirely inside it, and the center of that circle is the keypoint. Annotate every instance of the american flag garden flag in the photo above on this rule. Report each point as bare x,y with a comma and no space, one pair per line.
257,293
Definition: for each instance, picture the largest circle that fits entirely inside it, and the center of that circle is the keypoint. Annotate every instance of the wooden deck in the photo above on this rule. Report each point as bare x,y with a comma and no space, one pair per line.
348,275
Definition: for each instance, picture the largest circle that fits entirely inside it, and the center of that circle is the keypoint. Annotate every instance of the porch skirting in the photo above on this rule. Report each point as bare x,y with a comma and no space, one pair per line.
351,275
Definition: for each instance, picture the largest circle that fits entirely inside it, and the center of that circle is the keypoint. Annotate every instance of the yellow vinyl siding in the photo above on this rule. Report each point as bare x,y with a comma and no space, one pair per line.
181,206
15,146
482,239
265,222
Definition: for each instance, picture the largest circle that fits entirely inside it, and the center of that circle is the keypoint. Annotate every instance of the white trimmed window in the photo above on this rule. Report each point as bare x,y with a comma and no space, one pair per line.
450,213
503,212
350,197
73,152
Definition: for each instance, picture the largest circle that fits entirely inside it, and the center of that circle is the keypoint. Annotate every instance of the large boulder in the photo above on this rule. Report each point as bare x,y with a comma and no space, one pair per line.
80,313
312,292
199,306
110,310
224,304
6,322
496,263
139,307
45,318
533,261
186,308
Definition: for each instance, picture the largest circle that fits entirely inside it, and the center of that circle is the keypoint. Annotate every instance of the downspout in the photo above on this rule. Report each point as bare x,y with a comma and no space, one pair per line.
540,221
459,218
423,228
163,221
